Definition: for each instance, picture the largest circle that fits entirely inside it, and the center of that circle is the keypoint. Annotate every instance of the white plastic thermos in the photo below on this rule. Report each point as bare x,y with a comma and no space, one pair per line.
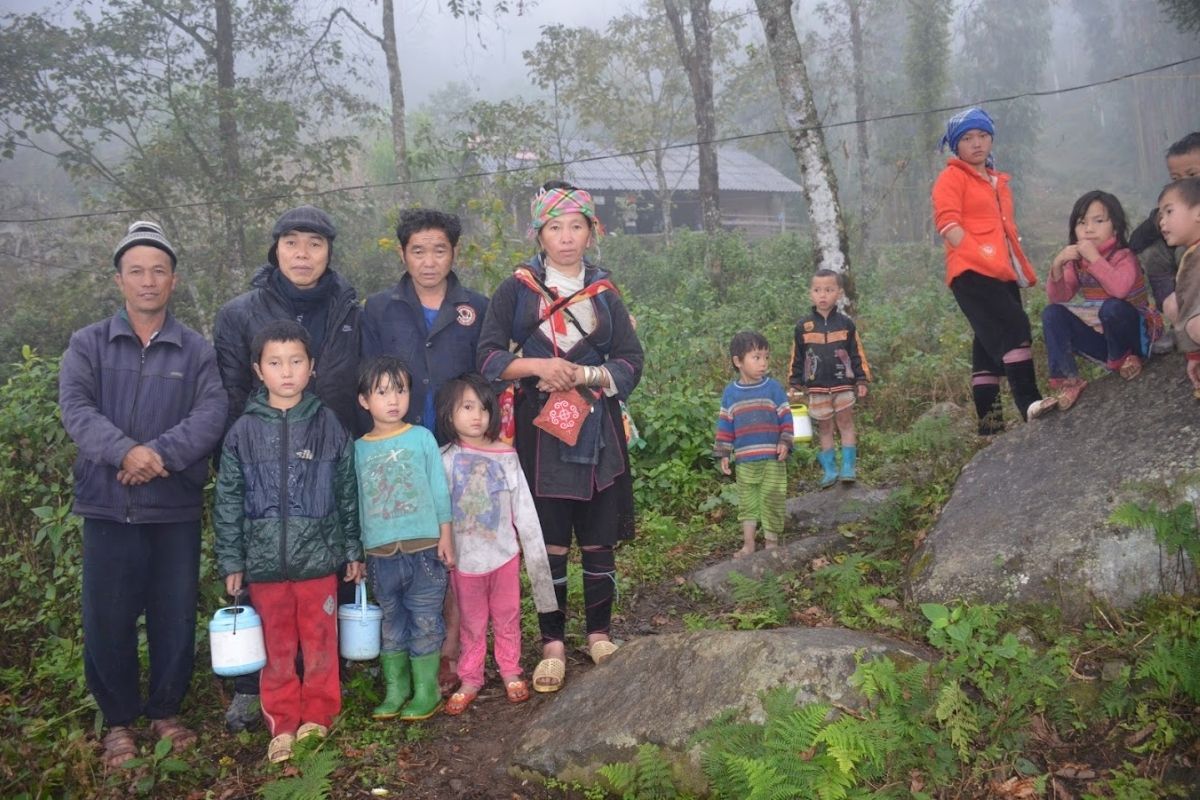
235,638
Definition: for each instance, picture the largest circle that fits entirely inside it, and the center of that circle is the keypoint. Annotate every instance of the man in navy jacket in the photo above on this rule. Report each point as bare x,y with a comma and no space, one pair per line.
428,320
141,397
431,322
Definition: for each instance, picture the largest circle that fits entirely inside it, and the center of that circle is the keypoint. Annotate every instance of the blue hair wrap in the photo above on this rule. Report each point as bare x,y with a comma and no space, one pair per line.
972,119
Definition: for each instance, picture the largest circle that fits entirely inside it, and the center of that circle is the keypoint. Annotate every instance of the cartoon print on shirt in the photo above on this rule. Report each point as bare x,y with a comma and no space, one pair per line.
478,482
388,490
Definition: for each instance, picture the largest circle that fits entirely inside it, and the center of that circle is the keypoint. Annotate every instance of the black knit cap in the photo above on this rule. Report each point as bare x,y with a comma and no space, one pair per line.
309,219
144,232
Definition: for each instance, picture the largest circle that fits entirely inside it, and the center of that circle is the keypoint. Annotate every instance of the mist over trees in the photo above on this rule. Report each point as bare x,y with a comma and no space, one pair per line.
214,117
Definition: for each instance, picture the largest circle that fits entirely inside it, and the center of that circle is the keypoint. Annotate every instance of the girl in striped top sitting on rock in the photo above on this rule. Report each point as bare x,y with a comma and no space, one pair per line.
1099,306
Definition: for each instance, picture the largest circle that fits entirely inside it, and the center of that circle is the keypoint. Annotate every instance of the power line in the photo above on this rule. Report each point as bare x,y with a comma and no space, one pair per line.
586,159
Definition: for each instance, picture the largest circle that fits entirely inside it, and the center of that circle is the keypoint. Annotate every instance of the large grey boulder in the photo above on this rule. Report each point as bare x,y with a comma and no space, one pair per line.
1028,518
794,554
823,511
819,512
663,689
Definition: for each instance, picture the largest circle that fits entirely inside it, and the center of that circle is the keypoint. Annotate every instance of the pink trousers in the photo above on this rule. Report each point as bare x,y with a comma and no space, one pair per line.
495,596
304,614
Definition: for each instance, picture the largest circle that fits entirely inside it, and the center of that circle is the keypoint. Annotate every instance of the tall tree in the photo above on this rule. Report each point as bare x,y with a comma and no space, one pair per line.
696,53
142,104
473,10
386,39
1004,52
927,65
629,89
806,137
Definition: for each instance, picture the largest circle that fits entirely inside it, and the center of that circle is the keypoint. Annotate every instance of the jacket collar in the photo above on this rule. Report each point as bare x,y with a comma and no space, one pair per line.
171,332
257,405
405,291
591,272
261,280
957,163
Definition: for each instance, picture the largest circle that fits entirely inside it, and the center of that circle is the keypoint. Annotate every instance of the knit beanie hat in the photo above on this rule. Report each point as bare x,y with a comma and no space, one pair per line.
144,232
309,219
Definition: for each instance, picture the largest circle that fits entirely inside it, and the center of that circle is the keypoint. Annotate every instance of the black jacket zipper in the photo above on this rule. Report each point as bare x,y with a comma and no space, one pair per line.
283,495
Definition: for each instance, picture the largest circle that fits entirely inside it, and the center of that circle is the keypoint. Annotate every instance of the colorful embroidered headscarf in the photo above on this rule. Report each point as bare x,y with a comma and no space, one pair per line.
972,119
553,203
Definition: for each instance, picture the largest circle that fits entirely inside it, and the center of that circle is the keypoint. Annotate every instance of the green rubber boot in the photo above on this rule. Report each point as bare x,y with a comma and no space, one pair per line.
828,461
397,677
849,456
427,698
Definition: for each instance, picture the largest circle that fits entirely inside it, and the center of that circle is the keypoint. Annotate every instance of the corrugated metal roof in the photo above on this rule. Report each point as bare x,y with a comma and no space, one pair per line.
739,171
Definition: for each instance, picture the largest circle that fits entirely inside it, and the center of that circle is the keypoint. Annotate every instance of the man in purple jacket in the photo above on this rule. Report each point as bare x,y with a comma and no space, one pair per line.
141,397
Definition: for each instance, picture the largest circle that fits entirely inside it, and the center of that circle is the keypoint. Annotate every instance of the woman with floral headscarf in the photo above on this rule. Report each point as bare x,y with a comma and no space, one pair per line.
559,328
986,269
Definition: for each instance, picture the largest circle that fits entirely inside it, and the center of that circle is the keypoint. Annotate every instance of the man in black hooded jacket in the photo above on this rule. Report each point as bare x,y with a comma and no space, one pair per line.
297,283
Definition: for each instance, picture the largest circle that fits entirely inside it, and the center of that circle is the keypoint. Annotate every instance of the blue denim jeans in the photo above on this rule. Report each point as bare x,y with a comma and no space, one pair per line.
410,588
1066,335
129,570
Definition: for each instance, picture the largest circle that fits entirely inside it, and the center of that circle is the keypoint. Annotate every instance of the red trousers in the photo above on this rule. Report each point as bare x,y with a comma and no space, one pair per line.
302,613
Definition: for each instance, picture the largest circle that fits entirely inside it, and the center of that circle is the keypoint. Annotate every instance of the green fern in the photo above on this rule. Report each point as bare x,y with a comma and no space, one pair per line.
848,743
1174,666
648,777
313,782
797,730
954,711
1175,529
621,776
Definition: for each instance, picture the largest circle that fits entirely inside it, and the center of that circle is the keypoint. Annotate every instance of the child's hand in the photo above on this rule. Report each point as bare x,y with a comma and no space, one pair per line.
446,553
1068,253
862,391
795,394
233,583
725,466
782,451
1088,251
355,571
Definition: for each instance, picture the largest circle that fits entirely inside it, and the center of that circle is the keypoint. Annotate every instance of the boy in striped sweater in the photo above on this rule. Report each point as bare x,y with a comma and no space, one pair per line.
754,429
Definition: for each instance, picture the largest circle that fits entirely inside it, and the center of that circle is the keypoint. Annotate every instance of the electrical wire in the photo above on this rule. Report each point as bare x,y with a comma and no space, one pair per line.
628,153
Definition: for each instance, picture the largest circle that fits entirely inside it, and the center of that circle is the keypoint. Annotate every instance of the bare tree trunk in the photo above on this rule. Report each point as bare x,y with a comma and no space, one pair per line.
231,163
696,57
806,137
860,113
396,89
664,194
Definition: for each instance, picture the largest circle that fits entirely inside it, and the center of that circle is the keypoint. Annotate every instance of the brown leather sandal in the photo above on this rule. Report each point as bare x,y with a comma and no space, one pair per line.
171,728
119,746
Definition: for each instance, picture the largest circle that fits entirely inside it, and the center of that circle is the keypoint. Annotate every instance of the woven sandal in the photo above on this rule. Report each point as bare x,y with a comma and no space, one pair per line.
311,729
601,650
517,690
280,748
119,746
181,736
548,675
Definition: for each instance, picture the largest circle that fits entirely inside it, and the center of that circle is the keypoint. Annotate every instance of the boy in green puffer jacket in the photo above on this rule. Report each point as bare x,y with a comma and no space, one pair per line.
286,517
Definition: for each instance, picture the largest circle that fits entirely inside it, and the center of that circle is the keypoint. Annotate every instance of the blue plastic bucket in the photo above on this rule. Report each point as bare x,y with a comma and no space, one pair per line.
235,640
360,627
